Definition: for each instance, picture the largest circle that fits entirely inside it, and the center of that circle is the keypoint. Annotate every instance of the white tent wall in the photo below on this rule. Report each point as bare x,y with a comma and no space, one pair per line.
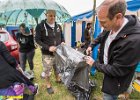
78,31
67,33
137,13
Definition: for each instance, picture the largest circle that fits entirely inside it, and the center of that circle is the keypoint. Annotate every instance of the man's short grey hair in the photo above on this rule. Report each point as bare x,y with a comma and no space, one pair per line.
48,11
114,7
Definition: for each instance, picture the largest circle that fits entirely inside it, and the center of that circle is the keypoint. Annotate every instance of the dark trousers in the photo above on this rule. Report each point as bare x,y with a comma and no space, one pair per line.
23,57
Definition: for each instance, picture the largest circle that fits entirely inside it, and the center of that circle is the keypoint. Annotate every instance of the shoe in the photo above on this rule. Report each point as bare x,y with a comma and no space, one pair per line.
27,74
50,90
36,89
31,74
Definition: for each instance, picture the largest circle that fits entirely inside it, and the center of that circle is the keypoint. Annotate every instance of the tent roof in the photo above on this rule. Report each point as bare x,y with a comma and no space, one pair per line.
133,5
87,15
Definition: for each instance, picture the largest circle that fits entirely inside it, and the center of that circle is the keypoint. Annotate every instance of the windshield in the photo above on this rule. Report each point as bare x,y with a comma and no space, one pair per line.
3,37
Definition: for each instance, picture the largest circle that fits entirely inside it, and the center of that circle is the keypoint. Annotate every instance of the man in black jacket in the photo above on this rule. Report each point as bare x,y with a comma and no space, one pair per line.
119,48
87,35
48,36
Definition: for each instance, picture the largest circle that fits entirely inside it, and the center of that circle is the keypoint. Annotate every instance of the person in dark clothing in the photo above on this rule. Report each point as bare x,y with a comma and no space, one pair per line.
48,36
9,70
26,47
87,35
119,48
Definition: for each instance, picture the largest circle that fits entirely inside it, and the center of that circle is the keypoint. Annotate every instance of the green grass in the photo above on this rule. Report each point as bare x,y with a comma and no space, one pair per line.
61,92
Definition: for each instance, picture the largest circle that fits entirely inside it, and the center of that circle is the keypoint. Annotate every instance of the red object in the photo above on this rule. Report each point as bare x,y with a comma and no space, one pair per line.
10,43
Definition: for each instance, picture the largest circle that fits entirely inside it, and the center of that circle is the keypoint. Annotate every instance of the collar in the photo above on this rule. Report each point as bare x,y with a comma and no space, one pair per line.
124,23
51,25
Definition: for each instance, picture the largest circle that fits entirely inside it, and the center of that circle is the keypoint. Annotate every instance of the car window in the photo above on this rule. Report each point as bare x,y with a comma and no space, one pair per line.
3,37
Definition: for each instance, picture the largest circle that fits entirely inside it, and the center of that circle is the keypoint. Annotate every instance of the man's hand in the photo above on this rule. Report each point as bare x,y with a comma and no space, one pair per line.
52,48
89,60
88,51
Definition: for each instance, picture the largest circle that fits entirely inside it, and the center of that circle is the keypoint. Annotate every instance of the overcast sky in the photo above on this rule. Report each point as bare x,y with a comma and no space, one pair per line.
75,7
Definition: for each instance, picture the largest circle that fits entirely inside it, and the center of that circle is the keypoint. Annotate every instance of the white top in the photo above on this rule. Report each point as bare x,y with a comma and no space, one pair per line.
110,38
51,25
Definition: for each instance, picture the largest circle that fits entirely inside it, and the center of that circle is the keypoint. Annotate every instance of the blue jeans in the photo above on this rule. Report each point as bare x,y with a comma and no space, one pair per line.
26,56
109,97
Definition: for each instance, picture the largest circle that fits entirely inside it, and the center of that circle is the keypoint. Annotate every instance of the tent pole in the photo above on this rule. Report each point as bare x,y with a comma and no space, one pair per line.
36,19
93,20
17,17
138,13
9,17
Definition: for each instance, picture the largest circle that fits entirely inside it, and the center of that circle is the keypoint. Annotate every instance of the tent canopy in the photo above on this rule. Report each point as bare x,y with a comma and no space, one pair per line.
133,5
16,11
82,16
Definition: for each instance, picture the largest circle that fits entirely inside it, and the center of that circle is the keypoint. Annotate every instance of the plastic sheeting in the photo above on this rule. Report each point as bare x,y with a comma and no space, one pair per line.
74,71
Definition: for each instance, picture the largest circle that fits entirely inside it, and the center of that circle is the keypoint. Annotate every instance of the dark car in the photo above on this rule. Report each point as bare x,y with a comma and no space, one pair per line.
10,43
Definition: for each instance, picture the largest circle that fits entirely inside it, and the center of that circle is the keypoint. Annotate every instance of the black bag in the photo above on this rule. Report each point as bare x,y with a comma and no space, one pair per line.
74,71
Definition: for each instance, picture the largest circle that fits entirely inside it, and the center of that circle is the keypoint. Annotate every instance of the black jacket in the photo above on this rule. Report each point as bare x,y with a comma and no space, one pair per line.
26,42
123,56
8,73
46,36
7,67
87,35
6,55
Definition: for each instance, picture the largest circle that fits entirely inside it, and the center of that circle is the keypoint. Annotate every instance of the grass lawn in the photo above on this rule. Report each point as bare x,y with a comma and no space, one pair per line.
61,92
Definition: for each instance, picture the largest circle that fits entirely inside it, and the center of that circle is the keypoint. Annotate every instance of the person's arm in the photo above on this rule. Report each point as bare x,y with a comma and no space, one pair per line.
18,36
94,43
124,60
7,56
18,39
38,38
97,41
